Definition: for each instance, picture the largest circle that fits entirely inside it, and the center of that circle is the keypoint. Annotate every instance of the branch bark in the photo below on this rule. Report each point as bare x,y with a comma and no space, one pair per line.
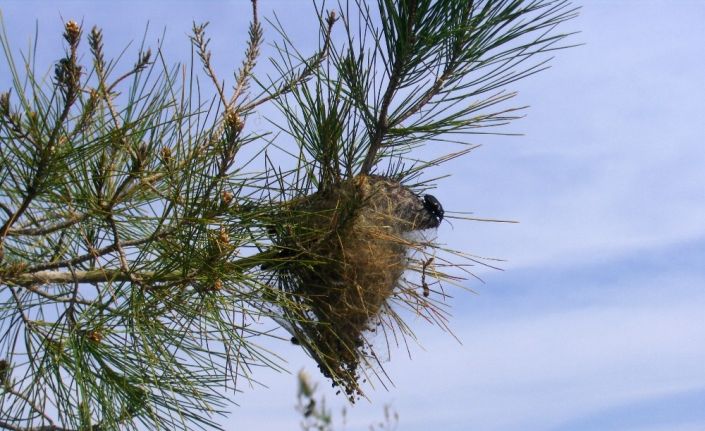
31,278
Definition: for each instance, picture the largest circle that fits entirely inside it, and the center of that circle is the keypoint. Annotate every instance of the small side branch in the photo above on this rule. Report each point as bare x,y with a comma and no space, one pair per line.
97,253
10,427
251,54
381,127
39,231
311,65
10,390
65,277
31,278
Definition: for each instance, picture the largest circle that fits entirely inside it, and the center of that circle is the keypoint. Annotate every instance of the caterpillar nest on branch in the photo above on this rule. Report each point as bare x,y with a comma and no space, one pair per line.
344,250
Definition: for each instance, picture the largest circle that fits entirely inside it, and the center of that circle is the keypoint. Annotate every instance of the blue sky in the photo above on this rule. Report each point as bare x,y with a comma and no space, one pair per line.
598,321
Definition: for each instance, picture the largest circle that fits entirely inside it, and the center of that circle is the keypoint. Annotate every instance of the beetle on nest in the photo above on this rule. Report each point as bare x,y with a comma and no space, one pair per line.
344,250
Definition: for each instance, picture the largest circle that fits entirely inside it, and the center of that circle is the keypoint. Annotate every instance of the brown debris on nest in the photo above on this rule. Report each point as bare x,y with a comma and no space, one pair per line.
346,250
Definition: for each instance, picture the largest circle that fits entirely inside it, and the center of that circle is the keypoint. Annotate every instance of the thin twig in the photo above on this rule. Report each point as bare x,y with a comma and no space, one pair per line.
49,229
448,71
68,74
251,55
33,277
311,65
201,43
56,298
11,427
381,127
7,209
118,246
10,390
98,252
138,67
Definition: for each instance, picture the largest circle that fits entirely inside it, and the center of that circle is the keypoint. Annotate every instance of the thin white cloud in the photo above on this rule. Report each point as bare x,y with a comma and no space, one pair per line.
532,369
688,426
534,372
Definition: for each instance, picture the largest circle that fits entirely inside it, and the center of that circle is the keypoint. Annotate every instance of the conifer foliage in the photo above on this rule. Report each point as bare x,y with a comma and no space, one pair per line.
147,231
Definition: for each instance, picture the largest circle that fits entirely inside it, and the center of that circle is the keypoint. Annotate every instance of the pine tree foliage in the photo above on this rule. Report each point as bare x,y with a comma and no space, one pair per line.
145,227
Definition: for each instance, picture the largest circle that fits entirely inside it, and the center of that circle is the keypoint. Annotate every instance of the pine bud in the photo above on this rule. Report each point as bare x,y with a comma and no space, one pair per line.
95,41
218,284
223,236
5,104
233,122
143,60
72,33
4,372
226,196
166,154
94,336
332,18
139,157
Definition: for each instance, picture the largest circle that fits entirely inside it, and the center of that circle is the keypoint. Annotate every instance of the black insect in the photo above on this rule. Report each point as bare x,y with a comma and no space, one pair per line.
434,207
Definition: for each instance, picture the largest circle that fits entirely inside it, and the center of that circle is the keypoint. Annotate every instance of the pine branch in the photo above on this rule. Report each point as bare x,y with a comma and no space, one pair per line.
311,65
67,75
251,54
96,253
9,426
33,276
40,231
140,250
404,45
